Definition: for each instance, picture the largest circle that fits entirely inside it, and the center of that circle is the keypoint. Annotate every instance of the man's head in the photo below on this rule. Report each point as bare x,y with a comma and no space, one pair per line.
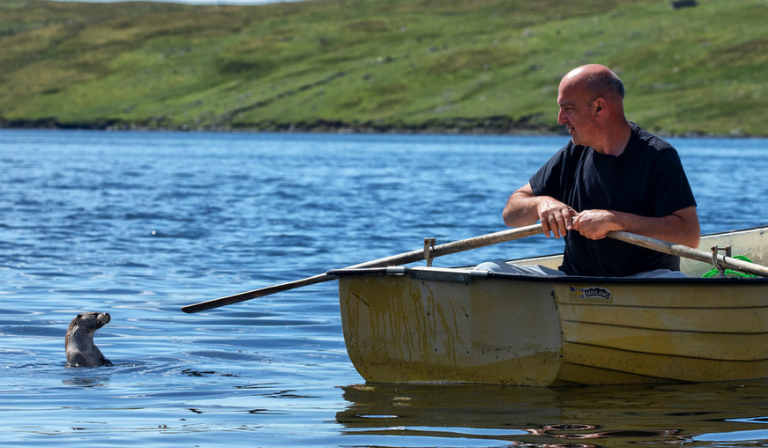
591,102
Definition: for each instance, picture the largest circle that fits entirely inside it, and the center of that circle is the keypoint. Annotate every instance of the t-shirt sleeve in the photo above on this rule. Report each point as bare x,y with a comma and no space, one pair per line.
548,181
671,187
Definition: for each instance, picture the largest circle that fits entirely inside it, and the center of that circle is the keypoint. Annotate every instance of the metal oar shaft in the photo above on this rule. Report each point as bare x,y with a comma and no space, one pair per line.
395,260
687,252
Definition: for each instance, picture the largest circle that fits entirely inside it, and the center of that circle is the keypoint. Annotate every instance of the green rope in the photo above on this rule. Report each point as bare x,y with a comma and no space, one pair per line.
730,272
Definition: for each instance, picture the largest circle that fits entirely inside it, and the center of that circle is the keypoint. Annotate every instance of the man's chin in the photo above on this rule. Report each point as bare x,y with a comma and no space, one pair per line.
577,140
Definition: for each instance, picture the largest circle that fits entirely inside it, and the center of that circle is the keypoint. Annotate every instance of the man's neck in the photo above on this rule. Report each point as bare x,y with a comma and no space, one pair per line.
615,142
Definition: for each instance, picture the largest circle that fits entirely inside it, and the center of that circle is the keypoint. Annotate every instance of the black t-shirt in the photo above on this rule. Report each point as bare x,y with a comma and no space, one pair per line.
647,179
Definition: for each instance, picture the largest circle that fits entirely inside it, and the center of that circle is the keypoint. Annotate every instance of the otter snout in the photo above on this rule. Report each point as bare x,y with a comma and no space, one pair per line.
104,318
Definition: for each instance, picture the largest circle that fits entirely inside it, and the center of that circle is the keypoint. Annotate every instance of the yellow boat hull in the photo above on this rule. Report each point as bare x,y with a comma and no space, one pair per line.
425,324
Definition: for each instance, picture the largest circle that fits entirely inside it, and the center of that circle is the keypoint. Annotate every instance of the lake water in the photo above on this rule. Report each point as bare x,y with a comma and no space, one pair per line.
140,224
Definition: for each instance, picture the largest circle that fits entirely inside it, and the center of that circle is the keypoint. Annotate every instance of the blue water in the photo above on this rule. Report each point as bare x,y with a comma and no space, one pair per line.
140,224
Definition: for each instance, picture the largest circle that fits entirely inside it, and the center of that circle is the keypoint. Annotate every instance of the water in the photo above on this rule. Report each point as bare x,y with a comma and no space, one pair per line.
140,224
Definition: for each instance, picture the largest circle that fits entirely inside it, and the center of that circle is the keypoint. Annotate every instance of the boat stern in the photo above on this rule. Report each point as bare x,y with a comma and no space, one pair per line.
449,326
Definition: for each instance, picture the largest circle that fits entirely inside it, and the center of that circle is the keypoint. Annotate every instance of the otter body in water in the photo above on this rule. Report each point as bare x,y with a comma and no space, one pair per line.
81,351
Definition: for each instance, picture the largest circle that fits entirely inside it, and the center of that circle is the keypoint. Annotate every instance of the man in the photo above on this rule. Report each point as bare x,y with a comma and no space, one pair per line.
612,175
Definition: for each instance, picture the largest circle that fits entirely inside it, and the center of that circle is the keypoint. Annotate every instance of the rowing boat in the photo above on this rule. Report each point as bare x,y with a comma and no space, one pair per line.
424,324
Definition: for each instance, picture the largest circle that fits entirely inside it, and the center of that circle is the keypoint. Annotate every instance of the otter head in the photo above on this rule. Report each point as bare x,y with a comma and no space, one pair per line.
81,351
89,322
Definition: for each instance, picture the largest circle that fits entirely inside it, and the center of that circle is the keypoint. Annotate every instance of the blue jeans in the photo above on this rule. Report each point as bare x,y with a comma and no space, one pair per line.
501,266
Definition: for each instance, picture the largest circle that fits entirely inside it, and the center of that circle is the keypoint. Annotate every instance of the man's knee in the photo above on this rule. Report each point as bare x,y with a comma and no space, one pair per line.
511,268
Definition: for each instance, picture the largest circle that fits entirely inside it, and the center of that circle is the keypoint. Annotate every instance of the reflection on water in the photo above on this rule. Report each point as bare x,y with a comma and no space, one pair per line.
86,381
614,416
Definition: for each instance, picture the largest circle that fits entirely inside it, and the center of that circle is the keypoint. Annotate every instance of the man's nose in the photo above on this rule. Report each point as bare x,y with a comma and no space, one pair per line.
561,117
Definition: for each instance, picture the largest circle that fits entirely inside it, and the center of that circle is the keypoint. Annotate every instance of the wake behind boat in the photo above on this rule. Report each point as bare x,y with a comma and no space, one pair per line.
455,325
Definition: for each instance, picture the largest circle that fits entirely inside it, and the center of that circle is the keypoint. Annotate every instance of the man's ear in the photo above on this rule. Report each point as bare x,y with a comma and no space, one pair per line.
600,107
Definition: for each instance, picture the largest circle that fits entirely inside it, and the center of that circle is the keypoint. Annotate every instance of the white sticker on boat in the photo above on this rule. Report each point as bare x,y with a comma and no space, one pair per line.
590,294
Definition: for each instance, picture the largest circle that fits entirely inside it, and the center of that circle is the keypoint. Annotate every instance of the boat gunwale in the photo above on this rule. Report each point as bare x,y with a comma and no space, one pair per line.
462,272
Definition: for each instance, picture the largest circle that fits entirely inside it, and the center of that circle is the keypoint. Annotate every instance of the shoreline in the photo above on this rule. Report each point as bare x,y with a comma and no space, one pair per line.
496,125
448,126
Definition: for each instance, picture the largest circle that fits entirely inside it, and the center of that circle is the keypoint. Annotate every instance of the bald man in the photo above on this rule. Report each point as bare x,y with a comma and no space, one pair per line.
612,175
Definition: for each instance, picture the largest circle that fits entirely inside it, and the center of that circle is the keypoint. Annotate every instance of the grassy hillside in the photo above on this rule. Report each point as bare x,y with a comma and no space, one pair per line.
378,64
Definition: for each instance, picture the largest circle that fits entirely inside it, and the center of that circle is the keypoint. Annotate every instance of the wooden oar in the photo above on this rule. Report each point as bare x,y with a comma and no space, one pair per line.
687,252
395,260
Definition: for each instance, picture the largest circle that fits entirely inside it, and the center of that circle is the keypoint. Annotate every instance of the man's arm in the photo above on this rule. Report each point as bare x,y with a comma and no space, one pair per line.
524,208
681,227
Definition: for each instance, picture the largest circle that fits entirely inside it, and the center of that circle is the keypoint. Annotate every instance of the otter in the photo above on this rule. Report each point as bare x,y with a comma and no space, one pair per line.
81,351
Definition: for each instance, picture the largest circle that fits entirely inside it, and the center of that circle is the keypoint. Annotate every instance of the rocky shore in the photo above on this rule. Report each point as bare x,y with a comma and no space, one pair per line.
496,125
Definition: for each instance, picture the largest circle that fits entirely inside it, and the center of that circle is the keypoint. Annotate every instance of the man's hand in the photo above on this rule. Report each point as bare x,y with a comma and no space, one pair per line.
595,224
555,216
524,208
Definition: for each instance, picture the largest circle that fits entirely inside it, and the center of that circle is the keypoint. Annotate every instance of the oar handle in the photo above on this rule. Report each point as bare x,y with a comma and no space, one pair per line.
687,252
395,260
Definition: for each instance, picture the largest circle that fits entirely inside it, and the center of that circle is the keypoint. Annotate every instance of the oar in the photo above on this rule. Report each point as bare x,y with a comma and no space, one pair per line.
687,252
395,260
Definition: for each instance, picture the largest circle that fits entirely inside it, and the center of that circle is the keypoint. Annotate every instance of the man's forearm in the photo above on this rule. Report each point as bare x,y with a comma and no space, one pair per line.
521,210
681,227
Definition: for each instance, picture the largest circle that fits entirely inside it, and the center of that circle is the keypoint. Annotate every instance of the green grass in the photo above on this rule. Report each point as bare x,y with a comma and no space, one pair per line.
404,64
